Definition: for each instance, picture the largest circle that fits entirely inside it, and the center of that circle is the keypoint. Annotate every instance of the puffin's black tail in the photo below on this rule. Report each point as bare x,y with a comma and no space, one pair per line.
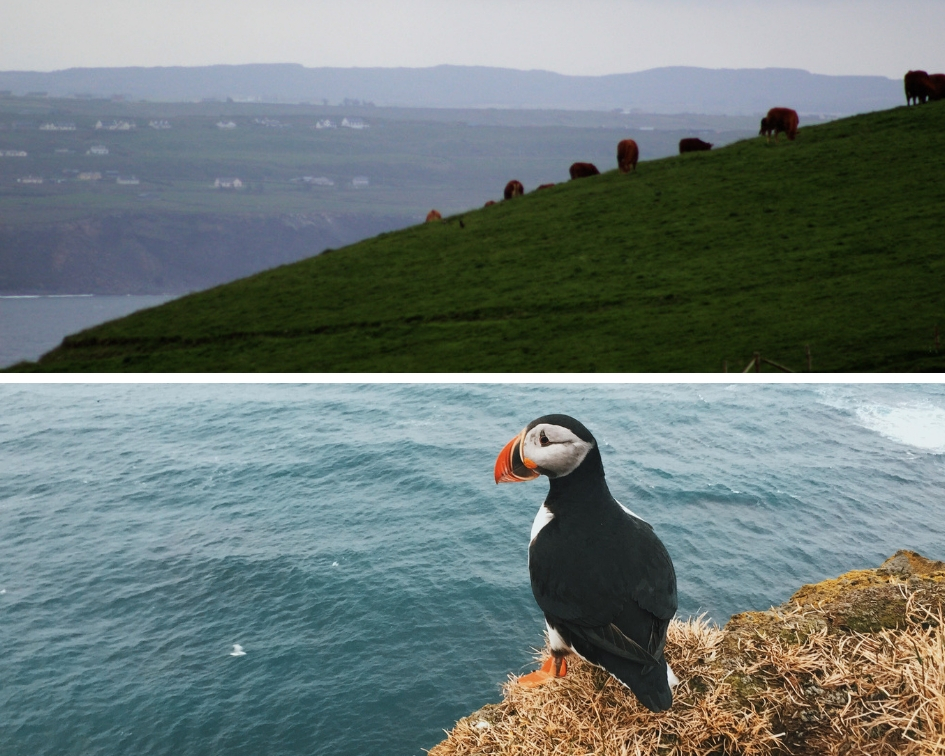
651,687
643,671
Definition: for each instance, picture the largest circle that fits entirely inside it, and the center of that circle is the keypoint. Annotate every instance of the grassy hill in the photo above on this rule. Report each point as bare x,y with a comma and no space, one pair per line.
834,241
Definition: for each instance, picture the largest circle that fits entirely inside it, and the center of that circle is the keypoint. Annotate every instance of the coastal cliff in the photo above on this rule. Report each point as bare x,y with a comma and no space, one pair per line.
167,253
852,665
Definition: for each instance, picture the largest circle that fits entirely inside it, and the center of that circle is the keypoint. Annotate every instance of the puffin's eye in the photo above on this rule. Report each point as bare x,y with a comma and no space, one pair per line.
543,439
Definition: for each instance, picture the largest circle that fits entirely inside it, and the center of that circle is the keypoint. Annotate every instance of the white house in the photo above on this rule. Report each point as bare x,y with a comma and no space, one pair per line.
162,124
127,181
360,181
354,123
226,125
13,153
228,183
313,180
325,124
117,126
97,149
30,180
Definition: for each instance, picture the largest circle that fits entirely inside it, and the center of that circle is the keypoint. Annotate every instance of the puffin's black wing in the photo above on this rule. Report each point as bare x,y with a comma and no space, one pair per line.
607,585
611,638
584,570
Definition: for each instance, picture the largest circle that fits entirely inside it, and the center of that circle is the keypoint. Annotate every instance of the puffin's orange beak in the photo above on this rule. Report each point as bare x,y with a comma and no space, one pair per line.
511,466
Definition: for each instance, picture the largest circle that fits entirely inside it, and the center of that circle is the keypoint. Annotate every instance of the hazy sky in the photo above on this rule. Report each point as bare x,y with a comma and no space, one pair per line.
885,37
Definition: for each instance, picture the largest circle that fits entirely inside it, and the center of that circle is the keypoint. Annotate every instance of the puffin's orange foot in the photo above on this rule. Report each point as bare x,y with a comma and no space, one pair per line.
554,666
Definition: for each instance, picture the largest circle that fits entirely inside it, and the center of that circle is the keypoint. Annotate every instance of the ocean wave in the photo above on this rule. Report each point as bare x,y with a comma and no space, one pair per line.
919,426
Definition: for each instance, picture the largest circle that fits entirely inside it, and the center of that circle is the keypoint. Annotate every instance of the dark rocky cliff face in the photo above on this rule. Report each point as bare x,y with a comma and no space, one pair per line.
154,253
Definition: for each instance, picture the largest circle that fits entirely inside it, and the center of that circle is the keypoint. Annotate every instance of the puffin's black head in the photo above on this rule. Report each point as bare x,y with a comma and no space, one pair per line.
552,445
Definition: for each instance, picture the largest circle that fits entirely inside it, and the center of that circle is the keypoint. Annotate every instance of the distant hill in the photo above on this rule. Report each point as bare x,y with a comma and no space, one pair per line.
675,89
696,262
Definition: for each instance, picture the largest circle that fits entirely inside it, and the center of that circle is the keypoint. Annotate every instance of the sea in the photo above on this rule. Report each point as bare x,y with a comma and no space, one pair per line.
31,325
249,569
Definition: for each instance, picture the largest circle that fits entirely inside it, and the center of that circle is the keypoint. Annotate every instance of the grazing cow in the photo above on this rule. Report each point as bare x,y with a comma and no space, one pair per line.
583,170
919,87
693,144
433,215
778,120
514,189
938,86
489,203
545,186
627,155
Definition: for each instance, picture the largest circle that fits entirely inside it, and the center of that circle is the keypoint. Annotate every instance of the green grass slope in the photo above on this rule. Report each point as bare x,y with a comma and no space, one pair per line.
834,241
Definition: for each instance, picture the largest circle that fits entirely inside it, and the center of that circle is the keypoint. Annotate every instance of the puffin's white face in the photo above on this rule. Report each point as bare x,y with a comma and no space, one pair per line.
547,449
556,451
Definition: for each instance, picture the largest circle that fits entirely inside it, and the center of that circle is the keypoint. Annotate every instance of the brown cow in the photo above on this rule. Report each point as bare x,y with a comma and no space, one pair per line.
627,155
919,87
583,170
545,186
693,144
778,120
514,189
938,86
489,203
433,215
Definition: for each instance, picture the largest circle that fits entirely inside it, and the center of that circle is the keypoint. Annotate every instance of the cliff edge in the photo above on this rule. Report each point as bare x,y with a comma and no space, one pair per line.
853,665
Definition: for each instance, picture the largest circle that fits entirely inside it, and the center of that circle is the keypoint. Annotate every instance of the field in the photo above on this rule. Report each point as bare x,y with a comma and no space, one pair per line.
831,243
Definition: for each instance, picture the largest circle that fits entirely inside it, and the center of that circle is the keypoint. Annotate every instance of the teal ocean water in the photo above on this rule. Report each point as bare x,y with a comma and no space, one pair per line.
32,325
351,541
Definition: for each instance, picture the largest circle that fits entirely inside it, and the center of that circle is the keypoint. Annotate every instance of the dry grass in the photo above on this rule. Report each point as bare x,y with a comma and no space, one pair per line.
796,679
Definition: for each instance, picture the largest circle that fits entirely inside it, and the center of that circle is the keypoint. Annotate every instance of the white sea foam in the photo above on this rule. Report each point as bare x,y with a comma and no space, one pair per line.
237,650
919,426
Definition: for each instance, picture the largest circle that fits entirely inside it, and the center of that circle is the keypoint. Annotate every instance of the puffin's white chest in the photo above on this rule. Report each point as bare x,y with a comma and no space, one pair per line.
543,517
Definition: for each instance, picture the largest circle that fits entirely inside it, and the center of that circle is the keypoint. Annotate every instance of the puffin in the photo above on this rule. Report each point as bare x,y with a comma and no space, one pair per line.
602,578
